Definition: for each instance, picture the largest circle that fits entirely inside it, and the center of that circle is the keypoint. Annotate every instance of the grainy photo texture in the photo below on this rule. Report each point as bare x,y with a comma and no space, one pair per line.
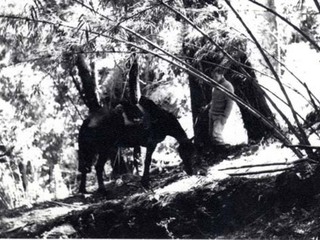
159,119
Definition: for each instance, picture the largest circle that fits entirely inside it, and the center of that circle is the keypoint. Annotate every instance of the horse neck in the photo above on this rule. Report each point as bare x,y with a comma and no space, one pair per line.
177,132
167,121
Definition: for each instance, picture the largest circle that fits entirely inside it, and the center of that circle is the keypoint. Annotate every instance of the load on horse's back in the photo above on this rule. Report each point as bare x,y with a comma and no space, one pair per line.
111,132
133,112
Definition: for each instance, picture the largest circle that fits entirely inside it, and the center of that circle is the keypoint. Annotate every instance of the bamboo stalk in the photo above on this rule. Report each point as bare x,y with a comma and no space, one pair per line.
301,134
265,164
211,40
280,99
270,55
275,106
302,137
281,113
284,117
253,166
205,35
188,68
185,18
198,74
302,146
278,132
317,5
312,98
260,172
310,93
285,85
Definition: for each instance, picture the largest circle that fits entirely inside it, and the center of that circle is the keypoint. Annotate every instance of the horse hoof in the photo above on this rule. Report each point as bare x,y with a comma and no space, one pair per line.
190,172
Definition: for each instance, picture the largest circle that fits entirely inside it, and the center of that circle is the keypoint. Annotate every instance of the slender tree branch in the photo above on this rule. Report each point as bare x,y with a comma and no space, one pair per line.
256,70
91,9
234,97
284,117
303,146
303,138
260,172
273,57
301,135
123,19
289,23
184,66
198,74
280,99
137,14
195,27
189,21
265,164
312,98
185,18
275,106
266,95
317,5
282,64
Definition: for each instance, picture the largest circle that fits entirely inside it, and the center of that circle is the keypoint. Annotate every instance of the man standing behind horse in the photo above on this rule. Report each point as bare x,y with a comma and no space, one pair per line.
220,108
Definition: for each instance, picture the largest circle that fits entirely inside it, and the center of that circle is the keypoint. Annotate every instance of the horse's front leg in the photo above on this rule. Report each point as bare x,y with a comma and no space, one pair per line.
99,171
82,187
145,178
85,163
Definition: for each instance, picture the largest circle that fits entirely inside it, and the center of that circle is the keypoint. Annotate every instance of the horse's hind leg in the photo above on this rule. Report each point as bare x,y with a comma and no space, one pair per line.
147,163
85,157
82,187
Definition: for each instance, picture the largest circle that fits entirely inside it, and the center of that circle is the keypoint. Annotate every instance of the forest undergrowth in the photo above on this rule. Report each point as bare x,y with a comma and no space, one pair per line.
210,204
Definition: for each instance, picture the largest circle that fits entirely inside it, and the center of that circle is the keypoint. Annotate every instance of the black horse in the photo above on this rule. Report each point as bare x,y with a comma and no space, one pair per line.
103,140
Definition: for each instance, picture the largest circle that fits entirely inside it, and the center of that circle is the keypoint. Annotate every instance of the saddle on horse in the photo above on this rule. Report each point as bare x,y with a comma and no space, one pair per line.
144,112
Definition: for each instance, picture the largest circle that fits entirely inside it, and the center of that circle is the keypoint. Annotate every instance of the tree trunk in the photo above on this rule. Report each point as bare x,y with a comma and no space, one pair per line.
245,84
200,94
200,97
247,88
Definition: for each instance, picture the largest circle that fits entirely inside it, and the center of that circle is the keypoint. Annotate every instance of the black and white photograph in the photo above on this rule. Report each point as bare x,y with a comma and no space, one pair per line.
159,119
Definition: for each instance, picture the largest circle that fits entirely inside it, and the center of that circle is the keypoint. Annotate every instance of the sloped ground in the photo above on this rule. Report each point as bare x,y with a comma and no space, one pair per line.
207,205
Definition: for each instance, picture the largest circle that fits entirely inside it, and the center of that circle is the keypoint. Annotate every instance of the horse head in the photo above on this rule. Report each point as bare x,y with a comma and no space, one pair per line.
186,151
